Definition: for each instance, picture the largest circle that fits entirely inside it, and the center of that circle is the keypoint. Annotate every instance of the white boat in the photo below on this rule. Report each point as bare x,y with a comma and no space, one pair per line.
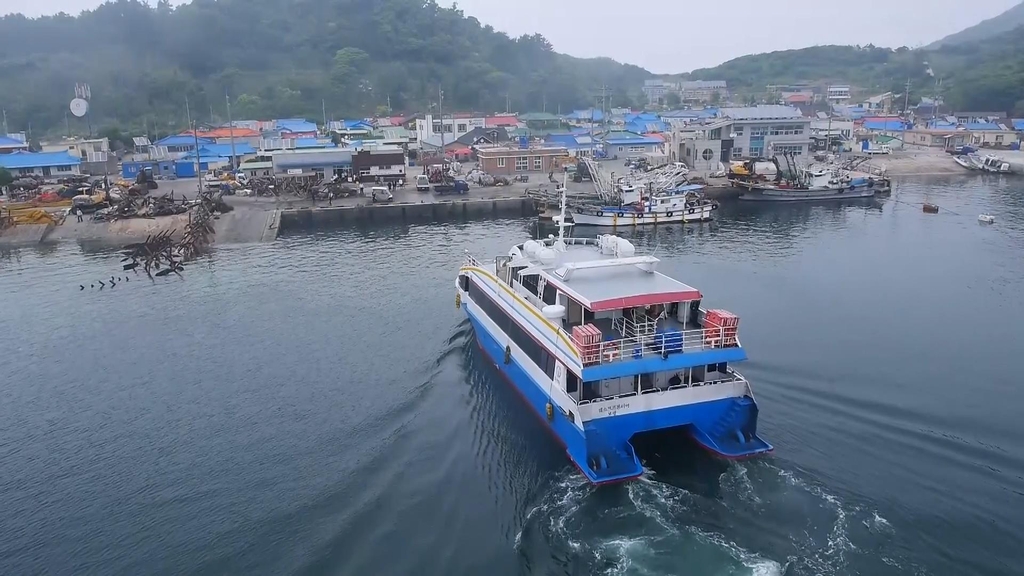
680,204
993,163
605,349
986,218
968,162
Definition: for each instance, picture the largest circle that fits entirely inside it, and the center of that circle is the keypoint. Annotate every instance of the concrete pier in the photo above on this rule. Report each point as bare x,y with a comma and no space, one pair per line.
25,234
404,212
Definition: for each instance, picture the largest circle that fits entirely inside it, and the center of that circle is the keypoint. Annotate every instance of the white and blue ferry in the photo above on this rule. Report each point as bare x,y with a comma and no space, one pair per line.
603,347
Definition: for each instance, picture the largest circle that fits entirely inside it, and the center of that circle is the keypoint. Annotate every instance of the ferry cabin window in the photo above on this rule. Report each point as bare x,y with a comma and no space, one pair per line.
550,294
572,383
537,353
530,283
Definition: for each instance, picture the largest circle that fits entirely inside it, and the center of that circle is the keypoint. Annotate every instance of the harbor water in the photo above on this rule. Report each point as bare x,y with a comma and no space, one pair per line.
317,405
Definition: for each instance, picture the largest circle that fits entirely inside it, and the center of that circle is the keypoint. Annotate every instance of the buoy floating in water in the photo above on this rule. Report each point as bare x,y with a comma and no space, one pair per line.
986,218
930,209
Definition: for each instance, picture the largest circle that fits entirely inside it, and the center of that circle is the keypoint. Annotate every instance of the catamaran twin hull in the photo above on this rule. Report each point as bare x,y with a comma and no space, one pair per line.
630,217
595,389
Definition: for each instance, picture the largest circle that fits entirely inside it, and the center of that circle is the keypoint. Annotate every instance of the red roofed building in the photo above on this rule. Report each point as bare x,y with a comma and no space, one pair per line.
223,135
503,120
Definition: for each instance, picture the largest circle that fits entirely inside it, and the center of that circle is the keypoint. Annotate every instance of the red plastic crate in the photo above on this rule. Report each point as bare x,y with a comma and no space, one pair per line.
588,341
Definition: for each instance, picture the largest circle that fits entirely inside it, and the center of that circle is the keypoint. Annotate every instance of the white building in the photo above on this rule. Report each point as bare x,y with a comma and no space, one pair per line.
838,93
452,126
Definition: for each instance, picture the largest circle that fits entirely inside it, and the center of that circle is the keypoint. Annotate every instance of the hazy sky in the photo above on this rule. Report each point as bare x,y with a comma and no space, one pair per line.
678,36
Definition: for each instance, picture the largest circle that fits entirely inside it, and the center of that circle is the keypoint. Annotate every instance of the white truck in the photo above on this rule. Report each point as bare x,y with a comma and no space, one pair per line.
871,148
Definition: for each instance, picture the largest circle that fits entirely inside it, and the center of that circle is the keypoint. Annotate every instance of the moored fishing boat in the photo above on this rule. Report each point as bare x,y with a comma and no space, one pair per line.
604,348
680,204
815,184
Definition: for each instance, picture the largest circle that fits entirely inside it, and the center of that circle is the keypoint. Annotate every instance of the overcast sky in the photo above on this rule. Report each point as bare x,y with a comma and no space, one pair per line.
678,36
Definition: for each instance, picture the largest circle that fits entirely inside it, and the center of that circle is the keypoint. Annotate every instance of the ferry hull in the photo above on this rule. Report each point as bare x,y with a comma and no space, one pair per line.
632,218
602,450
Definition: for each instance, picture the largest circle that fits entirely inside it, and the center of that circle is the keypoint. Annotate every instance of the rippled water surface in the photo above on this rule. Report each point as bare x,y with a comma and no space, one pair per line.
318,406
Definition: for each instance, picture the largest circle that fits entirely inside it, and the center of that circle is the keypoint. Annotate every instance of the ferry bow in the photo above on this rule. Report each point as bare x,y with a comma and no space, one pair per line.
602,347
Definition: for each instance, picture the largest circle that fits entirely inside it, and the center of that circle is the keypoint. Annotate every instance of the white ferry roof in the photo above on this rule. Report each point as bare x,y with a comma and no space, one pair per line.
606,282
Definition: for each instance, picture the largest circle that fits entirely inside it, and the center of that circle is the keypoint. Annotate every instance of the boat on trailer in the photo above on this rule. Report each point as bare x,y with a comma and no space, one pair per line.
604,347
685,203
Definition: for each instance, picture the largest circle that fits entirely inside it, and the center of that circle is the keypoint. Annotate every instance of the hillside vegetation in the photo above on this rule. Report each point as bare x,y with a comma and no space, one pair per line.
985,75
283,58
1012,18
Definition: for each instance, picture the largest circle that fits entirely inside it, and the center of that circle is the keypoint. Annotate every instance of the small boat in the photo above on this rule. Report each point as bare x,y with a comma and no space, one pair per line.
604,349
993,163
967,162
986,218
680,204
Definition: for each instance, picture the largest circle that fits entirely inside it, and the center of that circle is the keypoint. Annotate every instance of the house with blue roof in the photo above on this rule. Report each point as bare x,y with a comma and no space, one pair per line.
623,143
350,128
180,143
296,128
9,144
45,164
1018,124
586,116
575,144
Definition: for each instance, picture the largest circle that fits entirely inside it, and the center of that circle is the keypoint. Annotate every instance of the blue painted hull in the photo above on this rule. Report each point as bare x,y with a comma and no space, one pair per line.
604,454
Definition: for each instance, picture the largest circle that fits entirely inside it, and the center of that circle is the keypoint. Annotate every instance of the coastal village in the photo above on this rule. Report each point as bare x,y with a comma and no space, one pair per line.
697,129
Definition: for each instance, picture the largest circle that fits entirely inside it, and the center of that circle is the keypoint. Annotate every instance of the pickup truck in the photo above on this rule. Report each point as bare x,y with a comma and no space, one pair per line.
452,187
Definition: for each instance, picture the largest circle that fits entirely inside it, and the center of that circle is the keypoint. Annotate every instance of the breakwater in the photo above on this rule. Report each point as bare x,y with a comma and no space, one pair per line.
433,211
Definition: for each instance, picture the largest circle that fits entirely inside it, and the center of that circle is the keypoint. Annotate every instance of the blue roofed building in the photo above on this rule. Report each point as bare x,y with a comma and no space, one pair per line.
180,143
644,126
296,127
586,116
1018,124
45,164
884,124
13,143
575,144
622,143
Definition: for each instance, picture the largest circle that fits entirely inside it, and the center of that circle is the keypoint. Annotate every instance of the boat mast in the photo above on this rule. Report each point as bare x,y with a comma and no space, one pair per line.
561,208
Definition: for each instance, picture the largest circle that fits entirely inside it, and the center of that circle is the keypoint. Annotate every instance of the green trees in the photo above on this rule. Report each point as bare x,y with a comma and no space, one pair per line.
5,177
273,61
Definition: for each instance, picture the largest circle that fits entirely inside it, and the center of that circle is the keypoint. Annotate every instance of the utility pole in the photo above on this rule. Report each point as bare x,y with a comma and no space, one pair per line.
508,104
323,106
6,131
188,113
199,166
67,125
440,101
389,103
231,132
906,107
543,102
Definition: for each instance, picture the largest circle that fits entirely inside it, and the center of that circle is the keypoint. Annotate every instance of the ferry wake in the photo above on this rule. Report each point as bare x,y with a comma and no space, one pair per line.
603,347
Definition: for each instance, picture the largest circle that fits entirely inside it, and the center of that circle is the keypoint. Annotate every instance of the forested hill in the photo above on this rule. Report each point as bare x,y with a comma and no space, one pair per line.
281,58
983,75
984,30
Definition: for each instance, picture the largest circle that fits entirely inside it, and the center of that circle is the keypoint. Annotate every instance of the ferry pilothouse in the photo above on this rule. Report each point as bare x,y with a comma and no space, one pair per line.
602,347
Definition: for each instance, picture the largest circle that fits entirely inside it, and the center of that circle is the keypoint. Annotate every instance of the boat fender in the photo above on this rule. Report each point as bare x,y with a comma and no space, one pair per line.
852,187
871,182
714,205
458,300
508,354
691,211
739,436
600,214
668,214
550,409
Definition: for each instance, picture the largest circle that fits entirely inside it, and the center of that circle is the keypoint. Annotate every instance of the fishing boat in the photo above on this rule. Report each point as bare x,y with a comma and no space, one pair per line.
605,349
814,184
993,163
684,203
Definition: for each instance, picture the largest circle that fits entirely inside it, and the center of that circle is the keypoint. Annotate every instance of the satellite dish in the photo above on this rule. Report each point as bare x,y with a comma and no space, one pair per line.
79,107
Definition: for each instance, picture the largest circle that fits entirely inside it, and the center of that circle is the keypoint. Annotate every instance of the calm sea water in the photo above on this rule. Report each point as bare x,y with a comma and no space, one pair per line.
318,406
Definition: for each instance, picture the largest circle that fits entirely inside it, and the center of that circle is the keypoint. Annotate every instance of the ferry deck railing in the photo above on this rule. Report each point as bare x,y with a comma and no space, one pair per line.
731,377
642,341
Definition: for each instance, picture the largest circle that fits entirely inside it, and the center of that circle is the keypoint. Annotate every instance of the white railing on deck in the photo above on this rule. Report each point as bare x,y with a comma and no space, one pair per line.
471,261
733,377
660,344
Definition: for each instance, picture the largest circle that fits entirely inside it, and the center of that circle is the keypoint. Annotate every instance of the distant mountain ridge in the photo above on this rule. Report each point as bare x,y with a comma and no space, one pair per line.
985,29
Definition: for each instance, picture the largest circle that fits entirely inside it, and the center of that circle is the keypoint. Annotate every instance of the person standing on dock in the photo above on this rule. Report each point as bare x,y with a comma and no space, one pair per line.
78,214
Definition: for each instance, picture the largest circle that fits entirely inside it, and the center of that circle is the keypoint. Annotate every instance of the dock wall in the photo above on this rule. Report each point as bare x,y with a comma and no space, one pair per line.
423,212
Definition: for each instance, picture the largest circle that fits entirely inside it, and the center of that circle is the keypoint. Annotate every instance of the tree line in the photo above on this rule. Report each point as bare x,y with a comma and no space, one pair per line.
284,58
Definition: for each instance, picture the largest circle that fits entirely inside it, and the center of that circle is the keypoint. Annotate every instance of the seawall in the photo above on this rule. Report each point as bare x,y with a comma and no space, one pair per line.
405,212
